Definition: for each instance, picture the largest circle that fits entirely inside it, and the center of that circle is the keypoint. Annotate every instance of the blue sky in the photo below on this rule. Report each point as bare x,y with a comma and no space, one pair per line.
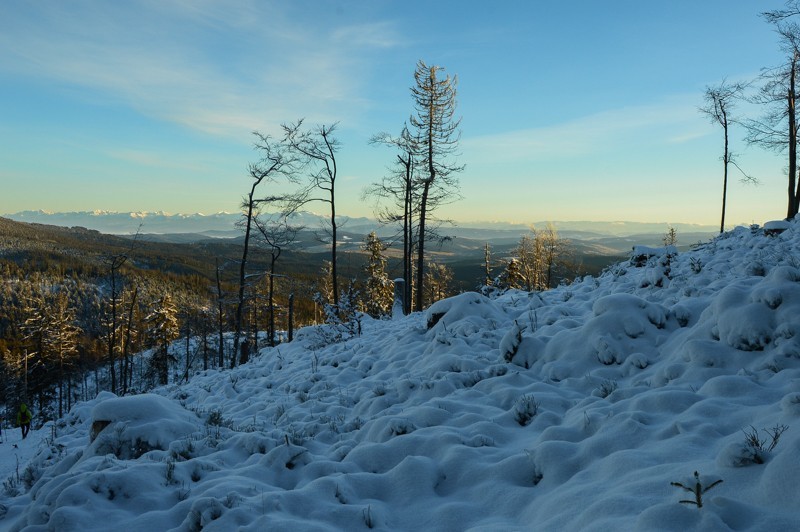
581,110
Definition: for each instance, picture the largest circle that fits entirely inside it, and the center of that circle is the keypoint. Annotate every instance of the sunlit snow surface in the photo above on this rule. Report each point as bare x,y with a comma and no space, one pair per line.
617,386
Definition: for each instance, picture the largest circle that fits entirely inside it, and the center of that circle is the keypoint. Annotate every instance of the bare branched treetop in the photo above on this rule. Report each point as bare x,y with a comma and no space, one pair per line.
315,149
780,15
437,128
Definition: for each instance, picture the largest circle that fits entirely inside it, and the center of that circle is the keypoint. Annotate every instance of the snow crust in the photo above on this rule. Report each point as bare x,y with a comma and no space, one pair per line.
572,409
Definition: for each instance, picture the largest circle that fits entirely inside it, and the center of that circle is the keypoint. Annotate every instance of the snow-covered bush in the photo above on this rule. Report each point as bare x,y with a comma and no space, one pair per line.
342,321
509,344
525,409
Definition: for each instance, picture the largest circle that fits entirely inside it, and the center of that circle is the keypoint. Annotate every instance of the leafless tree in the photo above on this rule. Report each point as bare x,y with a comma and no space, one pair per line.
114,262
275,236
777,128
275,162
316,150
401,189
436,133
718,103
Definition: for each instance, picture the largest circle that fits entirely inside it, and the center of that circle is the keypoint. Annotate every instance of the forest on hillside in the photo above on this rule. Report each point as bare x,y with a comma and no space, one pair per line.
82,312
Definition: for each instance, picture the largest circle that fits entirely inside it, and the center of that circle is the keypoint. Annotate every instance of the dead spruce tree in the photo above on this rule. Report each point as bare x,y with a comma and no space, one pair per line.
436,135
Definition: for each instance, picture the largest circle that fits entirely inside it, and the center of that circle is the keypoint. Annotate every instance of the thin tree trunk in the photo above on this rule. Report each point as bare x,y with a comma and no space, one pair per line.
725,160
126,348
792,209
272,303
221,321
334,276
291,316
113,337
242,266
408,242
205,347
421,246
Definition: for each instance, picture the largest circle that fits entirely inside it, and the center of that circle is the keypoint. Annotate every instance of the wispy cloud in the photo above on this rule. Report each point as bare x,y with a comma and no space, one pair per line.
671,121
211,67
159,161
377,35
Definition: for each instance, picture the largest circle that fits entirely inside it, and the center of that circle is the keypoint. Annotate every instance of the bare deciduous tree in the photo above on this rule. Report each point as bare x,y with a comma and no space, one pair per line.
401,188
777,128
536,259
718,104
316,149
275,236
275,162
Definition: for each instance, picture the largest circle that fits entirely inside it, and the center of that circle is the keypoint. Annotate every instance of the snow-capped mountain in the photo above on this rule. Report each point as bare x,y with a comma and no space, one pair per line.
663,394
223,224
123,223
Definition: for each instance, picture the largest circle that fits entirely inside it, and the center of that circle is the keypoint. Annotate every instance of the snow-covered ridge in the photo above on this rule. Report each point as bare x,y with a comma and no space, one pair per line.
572,409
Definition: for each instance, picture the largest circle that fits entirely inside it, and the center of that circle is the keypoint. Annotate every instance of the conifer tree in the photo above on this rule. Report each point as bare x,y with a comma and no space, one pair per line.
378,291
487,265
162,328
64,337
438,278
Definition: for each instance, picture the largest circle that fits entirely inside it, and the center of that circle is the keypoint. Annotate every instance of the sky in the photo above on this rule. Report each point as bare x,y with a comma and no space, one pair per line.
579,110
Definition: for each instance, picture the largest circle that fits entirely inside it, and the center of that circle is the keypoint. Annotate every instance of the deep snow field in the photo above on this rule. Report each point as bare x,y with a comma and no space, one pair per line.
616,387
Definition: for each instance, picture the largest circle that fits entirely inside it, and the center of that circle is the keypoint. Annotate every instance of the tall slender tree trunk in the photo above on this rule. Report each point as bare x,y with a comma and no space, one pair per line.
272,302
220,322
792,209
113,336
291,316
421,246
242,266
425,190
126,377
725,160
408,239
334,275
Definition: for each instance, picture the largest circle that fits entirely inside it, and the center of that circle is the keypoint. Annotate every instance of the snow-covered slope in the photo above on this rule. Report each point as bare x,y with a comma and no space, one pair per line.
574,409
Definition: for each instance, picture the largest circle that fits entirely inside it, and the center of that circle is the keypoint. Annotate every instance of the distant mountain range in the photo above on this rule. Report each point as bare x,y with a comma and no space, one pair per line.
192,242
223,225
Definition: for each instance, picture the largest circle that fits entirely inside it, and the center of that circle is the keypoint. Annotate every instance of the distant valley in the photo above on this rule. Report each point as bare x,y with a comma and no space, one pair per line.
601,238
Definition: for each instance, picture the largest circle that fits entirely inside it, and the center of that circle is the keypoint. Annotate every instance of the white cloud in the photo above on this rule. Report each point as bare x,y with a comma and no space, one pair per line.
206,65
674,120
374,35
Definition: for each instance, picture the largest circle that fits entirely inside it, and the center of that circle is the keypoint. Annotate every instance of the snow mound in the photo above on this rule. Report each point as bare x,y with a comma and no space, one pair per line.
127,427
